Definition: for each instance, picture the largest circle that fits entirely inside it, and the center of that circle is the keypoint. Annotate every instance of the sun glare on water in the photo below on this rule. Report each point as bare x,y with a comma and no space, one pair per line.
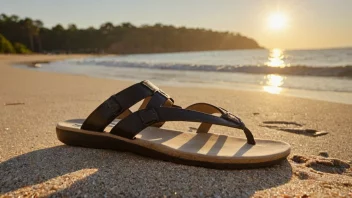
276,58
277,21
273,83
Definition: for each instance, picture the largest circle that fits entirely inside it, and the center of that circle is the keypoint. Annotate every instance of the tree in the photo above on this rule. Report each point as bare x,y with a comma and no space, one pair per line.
37,26
127,25
106,28
4,17
27,24
72,27
5,46
14,18
58,28
21,49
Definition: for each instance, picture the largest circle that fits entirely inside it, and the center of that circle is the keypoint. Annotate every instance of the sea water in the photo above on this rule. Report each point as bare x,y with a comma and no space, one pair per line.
324,74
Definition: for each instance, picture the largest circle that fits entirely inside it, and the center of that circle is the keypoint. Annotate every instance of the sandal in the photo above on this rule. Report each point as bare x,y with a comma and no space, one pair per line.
113,126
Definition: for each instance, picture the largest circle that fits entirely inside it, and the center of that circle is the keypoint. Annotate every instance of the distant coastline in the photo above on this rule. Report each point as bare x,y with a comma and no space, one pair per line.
31,35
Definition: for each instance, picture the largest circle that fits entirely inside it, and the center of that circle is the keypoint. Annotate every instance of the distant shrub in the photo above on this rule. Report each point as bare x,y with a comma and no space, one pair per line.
5,46
21,49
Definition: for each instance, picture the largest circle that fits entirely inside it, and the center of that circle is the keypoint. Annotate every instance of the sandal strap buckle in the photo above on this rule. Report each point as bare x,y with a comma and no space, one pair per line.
232,118
150,85
155,89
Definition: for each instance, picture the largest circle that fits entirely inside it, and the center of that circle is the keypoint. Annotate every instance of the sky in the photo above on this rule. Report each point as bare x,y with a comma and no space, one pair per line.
308,24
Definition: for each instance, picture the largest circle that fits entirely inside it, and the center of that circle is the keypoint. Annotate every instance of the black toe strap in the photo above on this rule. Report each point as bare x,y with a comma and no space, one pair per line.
205,108
211,109
136,122
118,105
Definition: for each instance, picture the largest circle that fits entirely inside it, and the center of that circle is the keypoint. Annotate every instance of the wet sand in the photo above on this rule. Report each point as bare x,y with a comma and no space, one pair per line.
34,162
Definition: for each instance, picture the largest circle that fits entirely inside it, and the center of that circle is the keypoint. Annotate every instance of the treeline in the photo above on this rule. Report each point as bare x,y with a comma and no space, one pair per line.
6,47
122,39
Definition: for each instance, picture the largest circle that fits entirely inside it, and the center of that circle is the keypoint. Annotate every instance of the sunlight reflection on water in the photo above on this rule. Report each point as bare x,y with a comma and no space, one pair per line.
276,58
273,83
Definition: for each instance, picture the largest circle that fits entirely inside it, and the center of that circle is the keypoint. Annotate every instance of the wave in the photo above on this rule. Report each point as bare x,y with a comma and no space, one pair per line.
300,70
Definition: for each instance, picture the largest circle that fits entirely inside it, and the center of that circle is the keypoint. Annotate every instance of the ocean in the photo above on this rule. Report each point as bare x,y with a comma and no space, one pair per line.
324,74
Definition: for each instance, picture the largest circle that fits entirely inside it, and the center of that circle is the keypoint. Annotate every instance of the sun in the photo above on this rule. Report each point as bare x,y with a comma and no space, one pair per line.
277,21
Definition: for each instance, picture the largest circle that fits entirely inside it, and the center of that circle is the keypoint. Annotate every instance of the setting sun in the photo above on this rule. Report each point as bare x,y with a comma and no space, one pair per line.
277,21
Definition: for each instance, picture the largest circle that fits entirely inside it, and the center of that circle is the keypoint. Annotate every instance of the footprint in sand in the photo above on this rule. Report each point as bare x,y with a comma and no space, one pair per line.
323,165
292,127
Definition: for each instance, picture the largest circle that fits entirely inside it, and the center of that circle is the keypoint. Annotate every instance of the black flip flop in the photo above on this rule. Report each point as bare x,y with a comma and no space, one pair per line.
113,126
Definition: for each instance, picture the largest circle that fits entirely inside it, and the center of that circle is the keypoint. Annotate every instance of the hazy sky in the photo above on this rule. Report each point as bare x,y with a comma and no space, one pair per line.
310,23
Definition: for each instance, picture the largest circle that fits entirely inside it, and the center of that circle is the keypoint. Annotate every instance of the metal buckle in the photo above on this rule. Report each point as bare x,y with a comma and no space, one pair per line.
162,94
230,117
150,86
149,116
155,89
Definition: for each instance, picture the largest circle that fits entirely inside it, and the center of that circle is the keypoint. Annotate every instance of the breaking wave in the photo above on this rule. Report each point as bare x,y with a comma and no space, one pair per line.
299,70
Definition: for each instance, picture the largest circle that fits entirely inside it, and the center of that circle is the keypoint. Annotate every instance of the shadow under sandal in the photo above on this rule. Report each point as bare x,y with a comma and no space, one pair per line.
113,126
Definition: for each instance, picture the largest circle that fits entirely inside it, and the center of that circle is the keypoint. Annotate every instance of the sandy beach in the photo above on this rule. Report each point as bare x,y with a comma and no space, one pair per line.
34,163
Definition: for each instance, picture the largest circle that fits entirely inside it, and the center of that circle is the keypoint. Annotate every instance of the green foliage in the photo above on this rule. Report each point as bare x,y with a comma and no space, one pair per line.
122,39
21,49
5,46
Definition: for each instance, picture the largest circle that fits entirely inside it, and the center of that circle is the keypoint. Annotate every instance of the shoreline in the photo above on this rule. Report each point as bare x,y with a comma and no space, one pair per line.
36,163
343,97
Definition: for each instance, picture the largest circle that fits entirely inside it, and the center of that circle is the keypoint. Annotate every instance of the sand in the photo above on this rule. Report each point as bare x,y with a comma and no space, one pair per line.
34,163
